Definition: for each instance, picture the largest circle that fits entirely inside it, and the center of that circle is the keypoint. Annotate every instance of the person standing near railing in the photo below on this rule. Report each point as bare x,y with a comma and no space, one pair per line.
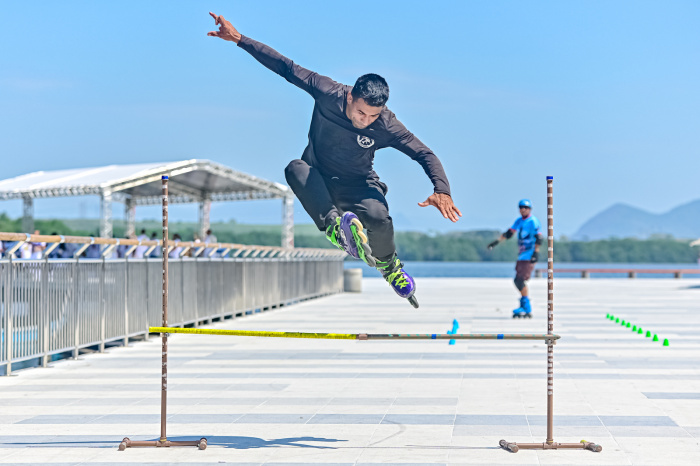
210,238
177,249
334,179
527,227
35,250
141,250
156,250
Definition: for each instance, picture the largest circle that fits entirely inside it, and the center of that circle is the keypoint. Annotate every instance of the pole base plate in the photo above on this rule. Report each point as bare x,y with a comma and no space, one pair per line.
583,445
126,443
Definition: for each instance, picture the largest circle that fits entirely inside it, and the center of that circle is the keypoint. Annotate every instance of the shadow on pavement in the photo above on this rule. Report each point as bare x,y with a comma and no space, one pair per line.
239,443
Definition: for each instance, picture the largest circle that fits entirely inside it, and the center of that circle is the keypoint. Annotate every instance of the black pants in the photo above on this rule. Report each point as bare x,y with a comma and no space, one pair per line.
324,199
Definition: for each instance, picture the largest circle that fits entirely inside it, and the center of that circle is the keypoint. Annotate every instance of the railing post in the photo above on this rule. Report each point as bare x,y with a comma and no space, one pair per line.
182,292
44,320
195,288
103,305
126,301
76,308
148,297
9,330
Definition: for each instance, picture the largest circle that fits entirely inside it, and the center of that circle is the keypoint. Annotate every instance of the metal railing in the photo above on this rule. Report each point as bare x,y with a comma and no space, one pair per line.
56,306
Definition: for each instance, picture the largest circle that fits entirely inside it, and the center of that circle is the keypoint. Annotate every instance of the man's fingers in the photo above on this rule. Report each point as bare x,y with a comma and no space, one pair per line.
213,33
457,210
424,203
217,18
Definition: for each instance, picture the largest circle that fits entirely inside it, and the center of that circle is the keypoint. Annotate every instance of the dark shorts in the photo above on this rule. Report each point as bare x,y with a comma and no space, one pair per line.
523,269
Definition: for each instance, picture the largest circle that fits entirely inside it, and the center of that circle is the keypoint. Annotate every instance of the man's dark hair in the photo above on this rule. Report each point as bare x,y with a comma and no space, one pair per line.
371,88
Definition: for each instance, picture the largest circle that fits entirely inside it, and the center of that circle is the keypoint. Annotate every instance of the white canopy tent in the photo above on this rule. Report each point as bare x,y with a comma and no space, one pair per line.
191,181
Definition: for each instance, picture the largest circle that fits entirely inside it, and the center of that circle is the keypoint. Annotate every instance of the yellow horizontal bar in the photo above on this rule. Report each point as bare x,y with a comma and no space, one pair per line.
358,336
254,333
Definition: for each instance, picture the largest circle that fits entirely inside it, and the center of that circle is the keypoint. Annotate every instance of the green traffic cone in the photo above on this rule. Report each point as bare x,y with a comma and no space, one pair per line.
665,341
656,338
648,335
607,316
628,325
634,328
617,320
623,322
639,331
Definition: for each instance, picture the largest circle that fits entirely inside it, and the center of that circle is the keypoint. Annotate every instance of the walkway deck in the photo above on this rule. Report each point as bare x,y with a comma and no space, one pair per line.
280,401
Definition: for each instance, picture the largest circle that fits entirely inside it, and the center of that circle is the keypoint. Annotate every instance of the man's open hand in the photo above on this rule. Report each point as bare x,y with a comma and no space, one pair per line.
226,30
444,204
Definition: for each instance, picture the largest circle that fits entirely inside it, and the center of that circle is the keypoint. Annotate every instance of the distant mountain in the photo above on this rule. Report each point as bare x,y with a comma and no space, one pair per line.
625,221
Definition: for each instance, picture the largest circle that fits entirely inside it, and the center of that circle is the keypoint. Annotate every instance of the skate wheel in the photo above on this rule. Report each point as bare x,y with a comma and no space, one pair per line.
369,259
413,301
529,316
358,225
362,236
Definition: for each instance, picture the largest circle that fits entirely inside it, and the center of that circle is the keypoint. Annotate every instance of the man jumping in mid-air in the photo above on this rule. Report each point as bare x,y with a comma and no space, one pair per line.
527,228
334,179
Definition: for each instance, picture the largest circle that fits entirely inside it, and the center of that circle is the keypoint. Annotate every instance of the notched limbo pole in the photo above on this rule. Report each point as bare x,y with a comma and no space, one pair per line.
550,444
163,441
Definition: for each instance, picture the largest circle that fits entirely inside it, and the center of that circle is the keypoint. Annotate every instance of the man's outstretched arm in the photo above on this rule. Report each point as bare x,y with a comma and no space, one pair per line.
313,83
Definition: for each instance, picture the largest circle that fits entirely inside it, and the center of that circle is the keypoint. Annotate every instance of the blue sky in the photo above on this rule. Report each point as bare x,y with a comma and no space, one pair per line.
602,95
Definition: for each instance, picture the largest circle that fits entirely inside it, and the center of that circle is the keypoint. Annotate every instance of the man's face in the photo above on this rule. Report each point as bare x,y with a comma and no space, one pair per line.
524,211
360,114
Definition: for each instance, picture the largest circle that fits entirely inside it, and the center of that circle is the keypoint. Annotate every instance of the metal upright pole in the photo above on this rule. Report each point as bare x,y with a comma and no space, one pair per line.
550,310
549,443
164,339
163,441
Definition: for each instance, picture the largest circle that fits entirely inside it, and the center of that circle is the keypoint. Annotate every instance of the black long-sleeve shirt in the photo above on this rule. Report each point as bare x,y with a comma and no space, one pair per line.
336,148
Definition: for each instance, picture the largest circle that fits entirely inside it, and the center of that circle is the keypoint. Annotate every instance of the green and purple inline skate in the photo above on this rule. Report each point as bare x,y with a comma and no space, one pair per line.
347,233
402,283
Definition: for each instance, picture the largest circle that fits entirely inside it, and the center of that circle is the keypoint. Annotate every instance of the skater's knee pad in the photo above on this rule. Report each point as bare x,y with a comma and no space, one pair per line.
520,283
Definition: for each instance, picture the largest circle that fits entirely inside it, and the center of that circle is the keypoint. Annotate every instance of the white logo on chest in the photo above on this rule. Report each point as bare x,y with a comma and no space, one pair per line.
365,142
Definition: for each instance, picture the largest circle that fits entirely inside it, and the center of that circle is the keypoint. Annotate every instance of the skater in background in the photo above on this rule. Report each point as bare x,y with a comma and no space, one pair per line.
527,227
334,179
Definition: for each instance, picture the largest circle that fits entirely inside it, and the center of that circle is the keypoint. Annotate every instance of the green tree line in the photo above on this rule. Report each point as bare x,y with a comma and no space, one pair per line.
467,246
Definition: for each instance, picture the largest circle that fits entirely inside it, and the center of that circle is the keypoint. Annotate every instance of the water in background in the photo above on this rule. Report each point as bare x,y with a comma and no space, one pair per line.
507,269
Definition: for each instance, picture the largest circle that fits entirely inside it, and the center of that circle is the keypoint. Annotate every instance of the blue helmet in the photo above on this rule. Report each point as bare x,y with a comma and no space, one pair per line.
525,203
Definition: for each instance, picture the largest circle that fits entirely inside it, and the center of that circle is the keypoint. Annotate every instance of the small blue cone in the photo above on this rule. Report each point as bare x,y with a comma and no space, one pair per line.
455,327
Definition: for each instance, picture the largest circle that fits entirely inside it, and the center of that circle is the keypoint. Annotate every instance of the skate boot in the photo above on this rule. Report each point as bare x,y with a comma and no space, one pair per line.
333,235
402,283
524,310
352,239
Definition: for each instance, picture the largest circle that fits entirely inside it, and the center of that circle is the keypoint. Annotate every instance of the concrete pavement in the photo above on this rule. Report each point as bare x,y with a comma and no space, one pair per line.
280,401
